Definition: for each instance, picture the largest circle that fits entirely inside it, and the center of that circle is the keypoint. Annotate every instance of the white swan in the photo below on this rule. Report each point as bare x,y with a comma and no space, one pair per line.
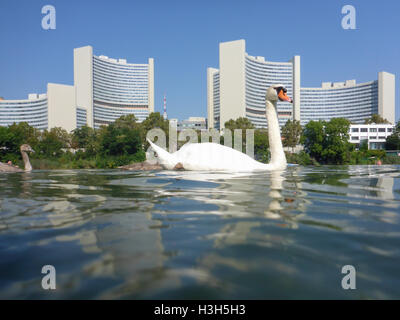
25,148
216,157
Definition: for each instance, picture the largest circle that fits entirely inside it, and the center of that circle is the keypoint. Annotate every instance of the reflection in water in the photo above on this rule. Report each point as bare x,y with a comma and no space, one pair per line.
113,234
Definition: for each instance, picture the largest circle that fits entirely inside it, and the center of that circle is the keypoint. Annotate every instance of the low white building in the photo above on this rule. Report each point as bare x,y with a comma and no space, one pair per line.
374,134
196,123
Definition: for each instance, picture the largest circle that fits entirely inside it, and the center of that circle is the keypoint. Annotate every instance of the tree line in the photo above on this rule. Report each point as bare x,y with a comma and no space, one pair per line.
323,142
124,142
120,143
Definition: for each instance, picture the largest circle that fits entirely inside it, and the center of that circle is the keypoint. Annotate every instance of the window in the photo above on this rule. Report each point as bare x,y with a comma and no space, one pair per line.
372,129
354,138
354,130
389,130
381,129
381,138
364,129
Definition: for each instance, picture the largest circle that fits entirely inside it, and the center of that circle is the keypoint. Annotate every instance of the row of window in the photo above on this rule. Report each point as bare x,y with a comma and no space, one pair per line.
379,138
371,129
357,88
111,64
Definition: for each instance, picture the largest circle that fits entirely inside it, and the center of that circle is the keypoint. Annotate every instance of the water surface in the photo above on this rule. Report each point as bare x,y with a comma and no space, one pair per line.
112,234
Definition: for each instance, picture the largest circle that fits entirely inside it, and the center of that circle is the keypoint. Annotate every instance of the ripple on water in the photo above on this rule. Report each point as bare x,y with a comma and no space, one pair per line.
118,234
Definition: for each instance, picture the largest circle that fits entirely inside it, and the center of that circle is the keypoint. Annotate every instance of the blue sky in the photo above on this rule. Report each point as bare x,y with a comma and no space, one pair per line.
183,38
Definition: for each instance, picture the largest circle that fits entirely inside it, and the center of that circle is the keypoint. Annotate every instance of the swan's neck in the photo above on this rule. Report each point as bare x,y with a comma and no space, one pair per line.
25,157
274,136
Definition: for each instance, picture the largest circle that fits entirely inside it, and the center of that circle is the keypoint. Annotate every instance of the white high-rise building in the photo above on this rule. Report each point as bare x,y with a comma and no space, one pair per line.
104,89
108,88
237,89
32,110
350,100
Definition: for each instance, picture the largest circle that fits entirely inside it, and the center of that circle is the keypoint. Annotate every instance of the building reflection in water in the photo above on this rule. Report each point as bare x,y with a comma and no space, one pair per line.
130,247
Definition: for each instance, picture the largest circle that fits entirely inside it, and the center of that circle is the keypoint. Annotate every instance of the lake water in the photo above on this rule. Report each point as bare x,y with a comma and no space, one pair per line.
113,234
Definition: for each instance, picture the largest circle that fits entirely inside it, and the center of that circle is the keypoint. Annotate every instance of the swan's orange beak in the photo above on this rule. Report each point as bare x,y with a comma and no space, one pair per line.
284,97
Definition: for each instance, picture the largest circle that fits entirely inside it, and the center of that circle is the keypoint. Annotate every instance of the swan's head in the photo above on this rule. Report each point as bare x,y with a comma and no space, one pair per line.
26,148
277,92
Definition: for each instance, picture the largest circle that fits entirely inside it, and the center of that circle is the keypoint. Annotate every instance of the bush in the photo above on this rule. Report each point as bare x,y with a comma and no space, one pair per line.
391,160
380,154
301,158
111,146
327,141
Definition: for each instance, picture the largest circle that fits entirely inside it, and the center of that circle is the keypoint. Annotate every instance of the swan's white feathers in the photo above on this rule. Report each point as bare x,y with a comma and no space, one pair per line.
215,157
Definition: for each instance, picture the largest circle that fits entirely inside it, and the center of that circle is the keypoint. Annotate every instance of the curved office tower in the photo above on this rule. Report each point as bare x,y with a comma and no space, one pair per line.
104,89
237,88
32,110
355,102
260,75
213,101
109,88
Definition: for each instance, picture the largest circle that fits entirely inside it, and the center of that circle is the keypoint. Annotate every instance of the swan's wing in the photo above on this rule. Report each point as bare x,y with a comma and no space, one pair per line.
7,168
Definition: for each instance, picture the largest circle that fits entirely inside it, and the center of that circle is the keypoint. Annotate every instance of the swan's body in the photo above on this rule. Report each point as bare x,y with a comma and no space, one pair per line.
216,157
4,167
209,157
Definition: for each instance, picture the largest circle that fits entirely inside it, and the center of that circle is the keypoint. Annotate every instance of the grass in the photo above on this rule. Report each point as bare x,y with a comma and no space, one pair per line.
82,161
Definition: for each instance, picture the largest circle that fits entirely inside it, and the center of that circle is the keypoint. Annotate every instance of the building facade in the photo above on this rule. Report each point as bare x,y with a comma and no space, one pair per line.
350,100
373,134
32,110
62,110
195,123
237,89
109,88
104,89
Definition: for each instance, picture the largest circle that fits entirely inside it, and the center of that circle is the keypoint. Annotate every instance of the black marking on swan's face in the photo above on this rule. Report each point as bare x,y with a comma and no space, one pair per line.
279,89
281,92
26,148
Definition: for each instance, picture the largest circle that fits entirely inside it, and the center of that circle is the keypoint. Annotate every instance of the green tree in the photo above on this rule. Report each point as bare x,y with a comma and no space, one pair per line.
327,142
313,139
261,145
336,141
62,135
375,118
364,145
397,127
4,143
291,133
122,137
52,142
87,138
155,120
127,121
13,136
23,133
240,123
393,142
